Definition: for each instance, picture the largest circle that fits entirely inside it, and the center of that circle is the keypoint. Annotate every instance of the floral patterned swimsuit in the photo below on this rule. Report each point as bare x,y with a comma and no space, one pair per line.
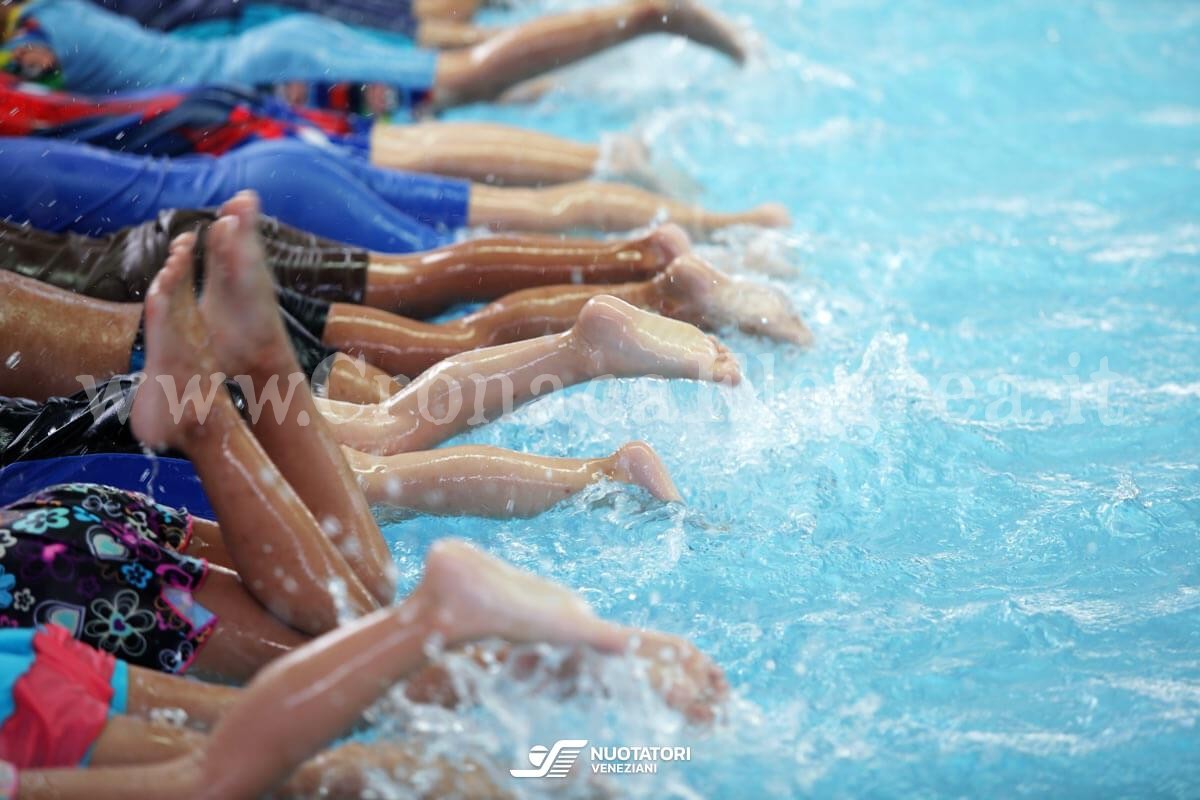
107,565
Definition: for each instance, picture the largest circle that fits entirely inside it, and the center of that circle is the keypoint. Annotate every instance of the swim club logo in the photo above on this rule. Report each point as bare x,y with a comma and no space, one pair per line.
553,763
559,760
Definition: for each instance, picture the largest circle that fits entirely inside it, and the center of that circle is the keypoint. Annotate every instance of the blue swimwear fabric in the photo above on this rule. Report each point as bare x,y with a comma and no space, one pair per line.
62,186
101,52
167,15
257,14
16,657
172,481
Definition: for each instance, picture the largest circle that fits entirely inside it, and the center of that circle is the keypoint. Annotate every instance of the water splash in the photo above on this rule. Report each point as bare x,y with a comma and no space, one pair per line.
911,593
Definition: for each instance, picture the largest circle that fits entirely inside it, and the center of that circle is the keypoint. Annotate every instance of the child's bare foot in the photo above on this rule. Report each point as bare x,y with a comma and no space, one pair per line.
181,377
478,597
768,215
667,243
636,463
530,91
239,302
619,339
475,597
772,215
689,18
625,157
688,680
692,290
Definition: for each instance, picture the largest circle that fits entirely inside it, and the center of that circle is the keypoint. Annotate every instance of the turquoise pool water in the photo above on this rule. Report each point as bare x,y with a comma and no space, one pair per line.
914,591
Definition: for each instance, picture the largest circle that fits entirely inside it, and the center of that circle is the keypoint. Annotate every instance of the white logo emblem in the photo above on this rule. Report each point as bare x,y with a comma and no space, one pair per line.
553,763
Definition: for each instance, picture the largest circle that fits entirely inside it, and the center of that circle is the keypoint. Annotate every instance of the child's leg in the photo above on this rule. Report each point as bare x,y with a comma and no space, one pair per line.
438,34
484,71
355,382
49,336
489,482
460,10
248,636
300,702
349,772
688,290
397,345
249,343
129,741
464,596
132,746
611,338
601,206
207,543
482,152
161,761
284,559
425,283
202,703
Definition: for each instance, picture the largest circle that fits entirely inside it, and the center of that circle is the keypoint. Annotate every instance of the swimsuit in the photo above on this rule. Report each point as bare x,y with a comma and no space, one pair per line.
86,438
56,695
26,108
59,186
107,565
165,16
119,267
101,52
388,15
207,119
30,108
82,423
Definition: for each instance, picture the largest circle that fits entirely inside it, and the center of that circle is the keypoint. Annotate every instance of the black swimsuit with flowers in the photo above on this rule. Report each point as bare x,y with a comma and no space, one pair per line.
107,565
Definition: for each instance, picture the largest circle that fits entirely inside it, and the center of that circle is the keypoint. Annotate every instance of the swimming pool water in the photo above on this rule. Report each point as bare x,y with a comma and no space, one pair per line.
914,590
